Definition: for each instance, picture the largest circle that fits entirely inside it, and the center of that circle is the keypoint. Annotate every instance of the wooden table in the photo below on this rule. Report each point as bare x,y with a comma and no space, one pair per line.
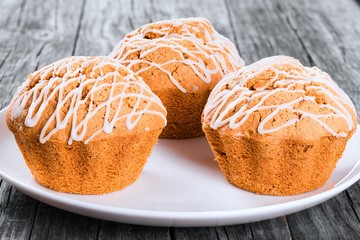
322,33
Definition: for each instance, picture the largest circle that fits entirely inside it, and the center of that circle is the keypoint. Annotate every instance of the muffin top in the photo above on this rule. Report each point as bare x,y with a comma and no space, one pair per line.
185,54
84,99
279,96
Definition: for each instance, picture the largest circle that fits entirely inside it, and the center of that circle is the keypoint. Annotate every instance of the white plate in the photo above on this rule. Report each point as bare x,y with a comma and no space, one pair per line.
181,185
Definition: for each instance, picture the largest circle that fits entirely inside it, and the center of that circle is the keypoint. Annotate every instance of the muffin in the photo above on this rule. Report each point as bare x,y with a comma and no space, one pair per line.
85,125
277,127
181,60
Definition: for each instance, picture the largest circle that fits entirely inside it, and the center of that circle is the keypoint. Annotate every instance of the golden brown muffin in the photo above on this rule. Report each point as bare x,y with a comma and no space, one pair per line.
277,127
85,125
181,60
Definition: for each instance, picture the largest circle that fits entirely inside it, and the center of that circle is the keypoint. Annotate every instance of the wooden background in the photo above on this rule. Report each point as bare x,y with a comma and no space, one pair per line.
322,33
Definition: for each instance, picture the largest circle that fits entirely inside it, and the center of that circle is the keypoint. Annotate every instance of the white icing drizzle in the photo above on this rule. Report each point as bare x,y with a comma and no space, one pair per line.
232,91
39,97
215,47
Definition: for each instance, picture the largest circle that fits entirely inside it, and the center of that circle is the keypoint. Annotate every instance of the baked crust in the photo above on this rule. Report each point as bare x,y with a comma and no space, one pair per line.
85,124
277,127
181,60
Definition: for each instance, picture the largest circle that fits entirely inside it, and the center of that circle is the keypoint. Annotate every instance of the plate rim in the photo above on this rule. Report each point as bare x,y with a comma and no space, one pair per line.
178,218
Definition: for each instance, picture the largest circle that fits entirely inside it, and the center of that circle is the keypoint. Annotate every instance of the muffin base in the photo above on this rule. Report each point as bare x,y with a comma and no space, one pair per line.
183,112
273,166
98,167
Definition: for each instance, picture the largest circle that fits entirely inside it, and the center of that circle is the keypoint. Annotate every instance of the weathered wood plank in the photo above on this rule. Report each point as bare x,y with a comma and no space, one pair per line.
38,37
262,32
353,195
17,214
5,191
53,223
333,218
16,210
10,18
111,230
330,34
199,233
101,22
13,20
179,9
105,23
235,232
270,229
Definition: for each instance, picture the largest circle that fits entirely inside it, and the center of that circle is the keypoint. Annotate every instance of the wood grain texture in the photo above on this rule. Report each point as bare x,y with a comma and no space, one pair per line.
53,223
36,33
17,217
329,32
111,230
200,233
262,31
42,33
336,217
270,229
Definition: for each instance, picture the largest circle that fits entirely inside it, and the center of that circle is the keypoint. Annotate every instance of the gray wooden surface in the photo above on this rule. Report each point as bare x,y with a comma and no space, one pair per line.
322,33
